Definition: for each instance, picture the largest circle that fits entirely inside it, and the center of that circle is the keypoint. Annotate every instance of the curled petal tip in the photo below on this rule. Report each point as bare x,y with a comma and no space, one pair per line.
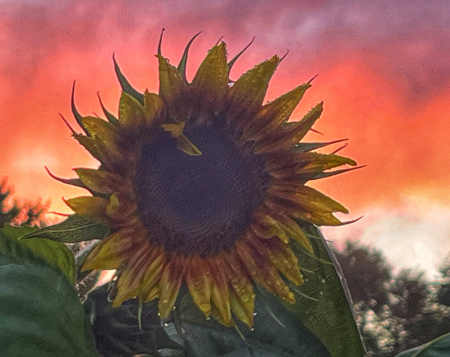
352,221
313,78
183,62
68,125
220,39
287,52
160,41
340,148
231,63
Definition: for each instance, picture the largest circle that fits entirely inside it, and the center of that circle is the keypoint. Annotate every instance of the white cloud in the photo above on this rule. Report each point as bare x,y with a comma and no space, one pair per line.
415,235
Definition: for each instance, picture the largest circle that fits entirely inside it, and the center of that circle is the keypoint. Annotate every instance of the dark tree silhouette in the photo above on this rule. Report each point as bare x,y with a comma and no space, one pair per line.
394,312
17,213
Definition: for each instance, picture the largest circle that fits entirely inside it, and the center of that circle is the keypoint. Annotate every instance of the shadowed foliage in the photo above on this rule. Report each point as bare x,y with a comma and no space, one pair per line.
395,312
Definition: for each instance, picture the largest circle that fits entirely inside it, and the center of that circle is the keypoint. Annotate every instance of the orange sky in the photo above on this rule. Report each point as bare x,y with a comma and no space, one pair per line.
383,75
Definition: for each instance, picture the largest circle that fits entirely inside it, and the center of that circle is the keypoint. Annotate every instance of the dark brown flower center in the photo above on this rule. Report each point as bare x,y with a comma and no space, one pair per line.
198,204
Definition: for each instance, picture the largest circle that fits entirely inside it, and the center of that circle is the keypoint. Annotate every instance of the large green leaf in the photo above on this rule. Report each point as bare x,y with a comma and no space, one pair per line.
277,332
54,253
74,229
39,308
323,302
439,347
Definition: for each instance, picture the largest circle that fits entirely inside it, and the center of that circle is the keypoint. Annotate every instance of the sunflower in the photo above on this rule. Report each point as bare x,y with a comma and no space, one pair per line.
204,185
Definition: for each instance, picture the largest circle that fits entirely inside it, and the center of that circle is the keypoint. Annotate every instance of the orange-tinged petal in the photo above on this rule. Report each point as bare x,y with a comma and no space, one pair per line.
210,83
247,93
108,254
220,295
199,282
274,114
100,181
169,285
131,111
89,207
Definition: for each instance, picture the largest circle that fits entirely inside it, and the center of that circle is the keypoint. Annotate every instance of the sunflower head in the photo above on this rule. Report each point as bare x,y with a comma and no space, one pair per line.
203,185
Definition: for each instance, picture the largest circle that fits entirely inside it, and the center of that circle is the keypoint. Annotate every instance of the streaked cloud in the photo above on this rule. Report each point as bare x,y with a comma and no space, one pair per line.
383,74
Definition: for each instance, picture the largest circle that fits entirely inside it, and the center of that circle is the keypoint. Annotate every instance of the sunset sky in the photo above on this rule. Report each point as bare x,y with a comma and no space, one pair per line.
384,75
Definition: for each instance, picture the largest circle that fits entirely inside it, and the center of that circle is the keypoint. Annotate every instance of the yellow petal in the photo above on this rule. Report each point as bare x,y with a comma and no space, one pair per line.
274,114
89,207
170,81
247,94
131,111
88,143
302,165
100,129
199,283
169,285
267,227
125,290
242,296
150,281
292,229
284,259
210,84
100,181
316,163
306,197
297,211
252,254
174,129
131,281
237,306
217,315
289,134
153,105
185,145
108,253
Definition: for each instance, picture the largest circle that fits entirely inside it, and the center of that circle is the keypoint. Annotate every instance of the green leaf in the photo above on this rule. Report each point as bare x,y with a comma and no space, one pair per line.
54,253
40,311
74,229
278,332
439,347
323,302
